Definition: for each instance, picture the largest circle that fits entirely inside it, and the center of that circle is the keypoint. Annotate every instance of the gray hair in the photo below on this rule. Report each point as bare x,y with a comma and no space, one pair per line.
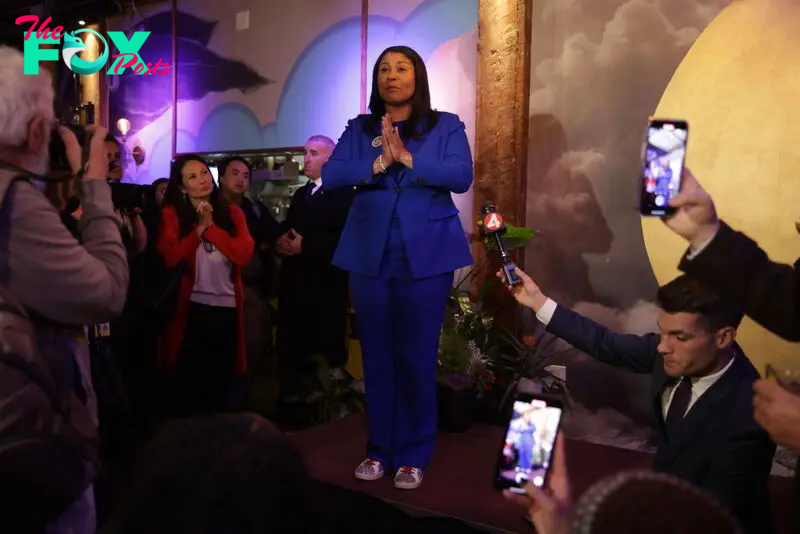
322,139
22,97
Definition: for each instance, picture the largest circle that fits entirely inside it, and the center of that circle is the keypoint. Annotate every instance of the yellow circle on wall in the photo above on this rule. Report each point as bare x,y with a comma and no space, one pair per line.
739,89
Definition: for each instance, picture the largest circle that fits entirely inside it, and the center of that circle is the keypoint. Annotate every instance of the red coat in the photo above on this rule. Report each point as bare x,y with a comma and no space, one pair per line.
237,249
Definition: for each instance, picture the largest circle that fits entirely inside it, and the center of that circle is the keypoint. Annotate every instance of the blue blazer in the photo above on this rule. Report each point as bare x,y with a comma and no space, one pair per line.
420,198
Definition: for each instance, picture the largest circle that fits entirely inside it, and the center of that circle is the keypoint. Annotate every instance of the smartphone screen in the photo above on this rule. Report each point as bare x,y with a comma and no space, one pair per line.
530,439
664,154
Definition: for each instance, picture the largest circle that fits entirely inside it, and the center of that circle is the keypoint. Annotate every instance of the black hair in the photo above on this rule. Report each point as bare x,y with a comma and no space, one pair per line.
222,166
187,215
111,139
685,294
222,473
423,118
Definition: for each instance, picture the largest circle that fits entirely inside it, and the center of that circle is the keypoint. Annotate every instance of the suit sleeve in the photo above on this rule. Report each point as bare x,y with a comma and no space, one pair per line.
734,266
742,466
345,167
627,351
238,248
171,245
450,169
323,245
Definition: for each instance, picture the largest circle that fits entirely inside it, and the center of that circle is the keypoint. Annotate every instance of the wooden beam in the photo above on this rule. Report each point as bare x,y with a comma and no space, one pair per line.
501,133
101,106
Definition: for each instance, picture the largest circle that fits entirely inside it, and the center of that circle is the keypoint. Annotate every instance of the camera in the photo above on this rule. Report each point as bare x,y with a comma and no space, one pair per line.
128,197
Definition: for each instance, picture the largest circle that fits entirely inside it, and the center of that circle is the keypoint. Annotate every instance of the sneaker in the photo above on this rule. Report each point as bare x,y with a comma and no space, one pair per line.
369,469
408,478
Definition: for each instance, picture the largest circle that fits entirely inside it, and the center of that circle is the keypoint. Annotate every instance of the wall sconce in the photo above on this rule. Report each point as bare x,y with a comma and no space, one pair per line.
124,126
138,154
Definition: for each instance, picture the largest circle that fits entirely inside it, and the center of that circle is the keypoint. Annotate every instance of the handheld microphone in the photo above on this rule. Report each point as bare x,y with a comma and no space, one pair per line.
493,224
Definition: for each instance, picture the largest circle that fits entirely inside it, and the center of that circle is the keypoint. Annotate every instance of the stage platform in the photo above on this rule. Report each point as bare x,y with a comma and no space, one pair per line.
458,482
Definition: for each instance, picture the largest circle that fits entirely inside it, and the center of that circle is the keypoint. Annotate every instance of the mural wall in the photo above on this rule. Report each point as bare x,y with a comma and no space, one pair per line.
251,76
599,69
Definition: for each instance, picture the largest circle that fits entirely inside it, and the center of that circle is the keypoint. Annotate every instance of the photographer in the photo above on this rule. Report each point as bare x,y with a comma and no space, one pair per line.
62,283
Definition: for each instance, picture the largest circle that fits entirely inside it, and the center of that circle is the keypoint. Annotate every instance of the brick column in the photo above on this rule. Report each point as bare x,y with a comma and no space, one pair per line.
501,132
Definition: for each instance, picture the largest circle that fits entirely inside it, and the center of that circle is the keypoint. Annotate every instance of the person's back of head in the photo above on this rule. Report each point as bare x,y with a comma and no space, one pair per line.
643,502
26,112
226,473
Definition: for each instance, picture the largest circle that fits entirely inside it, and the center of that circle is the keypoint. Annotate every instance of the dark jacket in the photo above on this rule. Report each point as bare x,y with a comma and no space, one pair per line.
720,447
765,290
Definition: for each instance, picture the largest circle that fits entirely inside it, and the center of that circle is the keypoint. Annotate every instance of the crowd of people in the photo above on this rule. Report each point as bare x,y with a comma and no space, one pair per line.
174,297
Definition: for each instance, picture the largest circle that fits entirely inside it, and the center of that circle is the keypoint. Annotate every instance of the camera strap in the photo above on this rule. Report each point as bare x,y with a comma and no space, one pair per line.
7,165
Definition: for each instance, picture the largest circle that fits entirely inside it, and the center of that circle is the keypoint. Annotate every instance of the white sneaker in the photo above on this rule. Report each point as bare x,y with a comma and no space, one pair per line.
369,469
408,478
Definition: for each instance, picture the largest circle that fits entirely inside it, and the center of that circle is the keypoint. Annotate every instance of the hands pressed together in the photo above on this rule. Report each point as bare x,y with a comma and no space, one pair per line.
394,151
205,215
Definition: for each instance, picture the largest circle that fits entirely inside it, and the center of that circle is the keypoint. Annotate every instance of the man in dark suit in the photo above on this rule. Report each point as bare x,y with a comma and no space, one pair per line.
312,293
767,291
702,390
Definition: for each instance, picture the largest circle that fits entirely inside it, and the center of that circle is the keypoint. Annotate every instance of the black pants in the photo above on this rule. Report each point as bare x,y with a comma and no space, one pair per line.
796,525
203,376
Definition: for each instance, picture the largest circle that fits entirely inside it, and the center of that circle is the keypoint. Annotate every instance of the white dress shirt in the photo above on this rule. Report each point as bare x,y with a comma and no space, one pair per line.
699,385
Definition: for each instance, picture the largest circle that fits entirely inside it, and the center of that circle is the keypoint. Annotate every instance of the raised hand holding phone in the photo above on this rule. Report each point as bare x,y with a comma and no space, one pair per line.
663,156
694,217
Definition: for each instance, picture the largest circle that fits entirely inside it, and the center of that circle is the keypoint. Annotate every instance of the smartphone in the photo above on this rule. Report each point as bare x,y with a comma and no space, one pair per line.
663,155
529,444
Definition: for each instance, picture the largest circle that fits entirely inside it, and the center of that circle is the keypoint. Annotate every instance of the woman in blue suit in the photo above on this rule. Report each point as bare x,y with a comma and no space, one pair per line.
402,241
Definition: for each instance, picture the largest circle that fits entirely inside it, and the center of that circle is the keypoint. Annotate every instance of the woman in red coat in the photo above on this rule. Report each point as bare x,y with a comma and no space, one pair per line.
202,347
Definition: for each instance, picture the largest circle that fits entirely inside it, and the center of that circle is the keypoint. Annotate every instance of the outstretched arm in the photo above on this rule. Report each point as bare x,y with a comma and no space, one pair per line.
627,351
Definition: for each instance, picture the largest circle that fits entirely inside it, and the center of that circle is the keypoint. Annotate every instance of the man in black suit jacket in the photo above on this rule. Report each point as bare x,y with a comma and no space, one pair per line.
312,293
702,390
769,292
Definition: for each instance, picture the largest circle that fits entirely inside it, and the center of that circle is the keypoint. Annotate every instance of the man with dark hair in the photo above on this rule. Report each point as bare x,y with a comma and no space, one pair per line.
702,390
258,277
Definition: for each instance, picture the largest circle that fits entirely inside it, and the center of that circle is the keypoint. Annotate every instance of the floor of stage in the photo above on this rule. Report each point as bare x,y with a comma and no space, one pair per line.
458,482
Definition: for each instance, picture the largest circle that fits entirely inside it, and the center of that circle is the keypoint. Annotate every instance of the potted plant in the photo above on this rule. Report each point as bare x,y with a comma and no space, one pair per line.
332,393
464,374
528,357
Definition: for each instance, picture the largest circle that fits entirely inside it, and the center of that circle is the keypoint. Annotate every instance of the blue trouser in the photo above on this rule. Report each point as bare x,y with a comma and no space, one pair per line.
525,452
399,321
